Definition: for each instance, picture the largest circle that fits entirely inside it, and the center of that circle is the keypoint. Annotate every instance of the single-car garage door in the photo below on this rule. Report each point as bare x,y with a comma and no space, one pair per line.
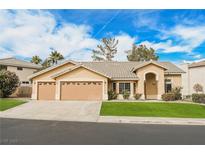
46,90
88,90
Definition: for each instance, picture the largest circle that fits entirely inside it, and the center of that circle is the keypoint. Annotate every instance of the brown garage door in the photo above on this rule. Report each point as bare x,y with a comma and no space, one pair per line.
81,90
46,90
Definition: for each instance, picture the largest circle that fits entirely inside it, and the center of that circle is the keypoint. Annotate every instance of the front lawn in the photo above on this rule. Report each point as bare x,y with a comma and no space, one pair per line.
9,103
143,109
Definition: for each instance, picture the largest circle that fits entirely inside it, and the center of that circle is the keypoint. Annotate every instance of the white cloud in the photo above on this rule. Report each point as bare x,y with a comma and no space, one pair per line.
28,33
125,43
179,39
193,61
165,47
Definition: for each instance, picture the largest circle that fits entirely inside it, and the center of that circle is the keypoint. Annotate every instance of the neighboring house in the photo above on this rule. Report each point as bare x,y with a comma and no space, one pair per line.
22,69
195,73
72,80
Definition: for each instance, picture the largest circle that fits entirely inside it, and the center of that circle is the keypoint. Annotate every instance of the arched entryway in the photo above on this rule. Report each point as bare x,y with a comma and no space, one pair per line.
150,86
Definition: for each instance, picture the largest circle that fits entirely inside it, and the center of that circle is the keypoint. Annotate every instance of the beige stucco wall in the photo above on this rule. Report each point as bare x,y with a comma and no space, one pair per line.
79,74
124,81
197,75
176,80
185,79
82,74
22,74
191,77
46,77
151,68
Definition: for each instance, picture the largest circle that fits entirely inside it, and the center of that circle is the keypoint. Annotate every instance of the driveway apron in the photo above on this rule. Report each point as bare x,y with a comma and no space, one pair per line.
56,110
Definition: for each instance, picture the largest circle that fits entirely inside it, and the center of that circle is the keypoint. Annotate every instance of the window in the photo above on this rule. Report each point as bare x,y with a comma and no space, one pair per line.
124,87
19,68
25,82
114,86
2,67
168,85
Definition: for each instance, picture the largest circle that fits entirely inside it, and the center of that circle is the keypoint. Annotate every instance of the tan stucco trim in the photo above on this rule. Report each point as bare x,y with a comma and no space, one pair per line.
74,68
51,68
147,64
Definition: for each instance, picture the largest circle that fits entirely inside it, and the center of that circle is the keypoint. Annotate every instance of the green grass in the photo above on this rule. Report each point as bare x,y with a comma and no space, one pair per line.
9,103
143,109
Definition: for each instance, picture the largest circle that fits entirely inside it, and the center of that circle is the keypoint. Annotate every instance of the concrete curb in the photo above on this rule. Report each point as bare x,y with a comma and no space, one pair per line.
151,120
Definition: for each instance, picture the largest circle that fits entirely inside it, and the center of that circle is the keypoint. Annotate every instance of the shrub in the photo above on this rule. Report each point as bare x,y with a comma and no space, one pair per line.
198,88
168,97
9,81
198,98
1,95
137,96
177,93
112,95
126,94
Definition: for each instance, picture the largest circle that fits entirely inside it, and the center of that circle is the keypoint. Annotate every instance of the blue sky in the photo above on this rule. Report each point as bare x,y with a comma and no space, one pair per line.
176,35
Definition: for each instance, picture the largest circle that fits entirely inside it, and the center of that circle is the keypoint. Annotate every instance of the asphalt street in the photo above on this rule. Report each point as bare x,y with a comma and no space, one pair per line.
19,131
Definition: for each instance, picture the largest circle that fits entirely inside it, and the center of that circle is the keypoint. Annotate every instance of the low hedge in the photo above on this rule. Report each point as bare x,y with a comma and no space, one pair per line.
198,98
137,96
168,97
112,95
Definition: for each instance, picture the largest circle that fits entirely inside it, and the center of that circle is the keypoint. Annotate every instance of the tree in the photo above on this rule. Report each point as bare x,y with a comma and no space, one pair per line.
46,63
106,51
141,53
9,81
198,88
36,60
54,57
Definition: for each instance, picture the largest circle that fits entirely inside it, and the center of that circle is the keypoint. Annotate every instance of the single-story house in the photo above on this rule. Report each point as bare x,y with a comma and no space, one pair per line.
195,74
72,80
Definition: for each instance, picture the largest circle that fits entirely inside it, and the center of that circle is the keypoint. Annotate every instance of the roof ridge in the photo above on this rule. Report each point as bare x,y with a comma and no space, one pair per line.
8,58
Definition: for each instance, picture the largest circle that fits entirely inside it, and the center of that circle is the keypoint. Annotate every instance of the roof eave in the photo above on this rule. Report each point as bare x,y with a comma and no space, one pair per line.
50,68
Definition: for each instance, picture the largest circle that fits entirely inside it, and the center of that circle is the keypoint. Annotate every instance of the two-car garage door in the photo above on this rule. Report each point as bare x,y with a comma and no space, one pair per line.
81,90
71,90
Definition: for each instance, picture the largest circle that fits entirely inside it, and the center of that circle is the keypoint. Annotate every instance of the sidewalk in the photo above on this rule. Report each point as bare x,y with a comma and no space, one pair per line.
151,120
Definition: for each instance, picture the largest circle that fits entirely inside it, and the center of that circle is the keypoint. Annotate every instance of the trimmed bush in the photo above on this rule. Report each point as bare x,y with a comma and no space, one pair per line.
198,98
126,94
177,93
9,81
198,88
137,96
112,95
168,97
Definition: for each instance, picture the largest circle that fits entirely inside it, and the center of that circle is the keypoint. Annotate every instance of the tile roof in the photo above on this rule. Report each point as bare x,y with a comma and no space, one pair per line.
113,69
124,70
18,63
198,64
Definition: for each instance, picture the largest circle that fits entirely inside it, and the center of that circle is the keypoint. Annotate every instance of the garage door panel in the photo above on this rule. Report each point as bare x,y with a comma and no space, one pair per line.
81,91
46,90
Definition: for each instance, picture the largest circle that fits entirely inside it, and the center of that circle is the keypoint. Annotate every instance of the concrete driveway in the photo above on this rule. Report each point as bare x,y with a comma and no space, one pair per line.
56,110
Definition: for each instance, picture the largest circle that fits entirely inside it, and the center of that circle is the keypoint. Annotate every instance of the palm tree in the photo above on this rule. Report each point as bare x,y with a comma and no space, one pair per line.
55,56
36,60
46,63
